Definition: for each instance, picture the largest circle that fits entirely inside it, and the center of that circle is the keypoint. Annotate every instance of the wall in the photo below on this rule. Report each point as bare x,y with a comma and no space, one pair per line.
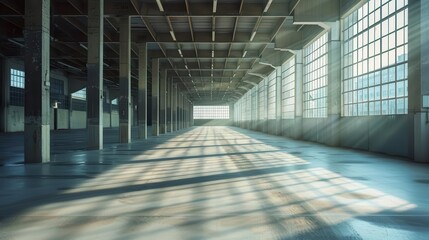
212,122
78,119
15,119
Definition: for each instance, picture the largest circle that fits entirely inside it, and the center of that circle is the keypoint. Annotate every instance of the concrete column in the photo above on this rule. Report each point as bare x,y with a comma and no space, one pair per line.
334,85
418,81
169,108
4,94
142,92
299,100
125,81
180,110
174,102
37,86
279,129
162,102
155,97
94,89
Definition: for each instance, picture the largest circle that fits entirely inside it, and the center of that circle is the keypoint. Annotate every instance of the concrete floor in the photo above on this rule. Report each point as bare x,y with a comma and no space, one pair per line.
210,183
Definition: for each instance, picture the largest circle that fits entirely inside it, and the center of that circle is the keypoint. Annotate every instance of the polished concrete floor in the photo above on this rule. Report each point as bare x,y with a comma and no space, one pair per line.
210,183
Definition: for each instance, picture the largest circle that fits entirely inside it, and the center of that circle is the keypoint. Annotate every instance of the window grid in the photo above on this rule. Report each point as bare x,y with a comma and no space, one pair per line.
315,78
288,89
262,100
17,78
272,95
254,103
375,59
17,85
81,94
211,112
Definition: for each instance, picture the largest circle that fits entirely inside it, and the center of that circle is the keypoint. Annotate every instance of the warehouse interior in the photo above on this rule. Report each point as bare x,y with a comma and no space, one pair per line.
214,119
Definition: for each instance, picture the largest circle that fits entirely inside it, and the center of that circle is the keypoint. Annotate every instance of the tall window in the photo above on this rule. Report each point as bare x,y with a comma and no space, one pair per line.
254,103
211,112
272,95
17,78
17,85
315,78
262,100
81,94
375,59
288,89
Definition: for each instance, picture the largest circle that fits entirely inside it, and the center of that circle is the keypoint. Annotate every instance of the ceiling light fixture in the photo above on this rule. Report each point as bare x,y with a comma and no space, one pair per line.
268,5
238,67
186,66
213,36
214,6
160,5
69,66
253,35
233,75
189,75
180,51
83,46
172,35
16,42
212,54
244,54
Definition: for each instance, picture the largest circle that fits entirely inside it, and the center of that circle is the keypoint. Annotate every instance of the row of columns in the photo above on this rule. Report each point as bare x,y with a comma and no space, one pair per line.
171,110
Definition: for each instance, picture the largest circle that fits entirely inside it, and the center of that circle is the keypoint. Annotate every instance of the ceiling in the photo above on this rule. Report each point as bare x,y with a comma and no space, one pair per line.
213,49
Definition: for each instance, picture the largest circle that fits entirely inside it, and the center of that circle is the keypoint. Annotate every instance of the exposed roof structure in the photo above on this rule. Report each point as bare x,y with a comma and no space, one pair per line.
210,47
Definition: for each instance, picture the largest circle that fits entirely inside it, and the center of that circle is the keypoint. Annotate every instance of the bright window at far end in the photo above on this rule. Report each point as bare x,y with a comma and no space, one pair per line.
211,112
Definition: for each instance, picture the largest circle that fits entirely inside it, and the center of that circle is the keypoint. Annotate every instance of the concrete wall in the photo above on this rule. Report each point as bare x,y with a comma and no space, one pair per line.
115,119
212,122
15,119
78,119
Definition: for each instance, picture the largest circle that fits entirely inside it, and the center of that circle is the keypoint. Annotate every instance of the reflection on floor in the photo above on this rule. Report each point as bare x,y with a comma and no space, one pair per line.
215,183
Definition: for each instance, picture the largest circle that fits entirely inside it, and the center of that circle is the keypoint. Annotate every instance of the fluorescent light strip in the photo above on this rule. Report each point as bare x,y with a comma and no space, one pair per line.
189,75
172,35
180,51
83,46
186,66
160,5
16,42
238,67
253,35
212,53
213,35
214,6
268,5
244,54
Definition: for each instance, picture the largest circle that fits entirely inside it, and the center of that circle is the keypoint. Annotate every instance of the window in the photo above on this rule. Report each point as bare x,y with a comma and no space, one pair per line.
17,78
272,95
288,89
375,59
211,112
262,100
115,101
315,78
17,85
81,94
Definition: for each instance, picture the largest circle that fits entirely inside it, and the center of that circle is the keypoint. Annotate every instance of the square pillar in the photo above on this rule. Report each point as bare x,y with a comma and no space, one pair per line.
418,81
163,102
299,100
334,85
174,102
125,80
155,97
279,103
142,92
169,108
37,86
94,88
